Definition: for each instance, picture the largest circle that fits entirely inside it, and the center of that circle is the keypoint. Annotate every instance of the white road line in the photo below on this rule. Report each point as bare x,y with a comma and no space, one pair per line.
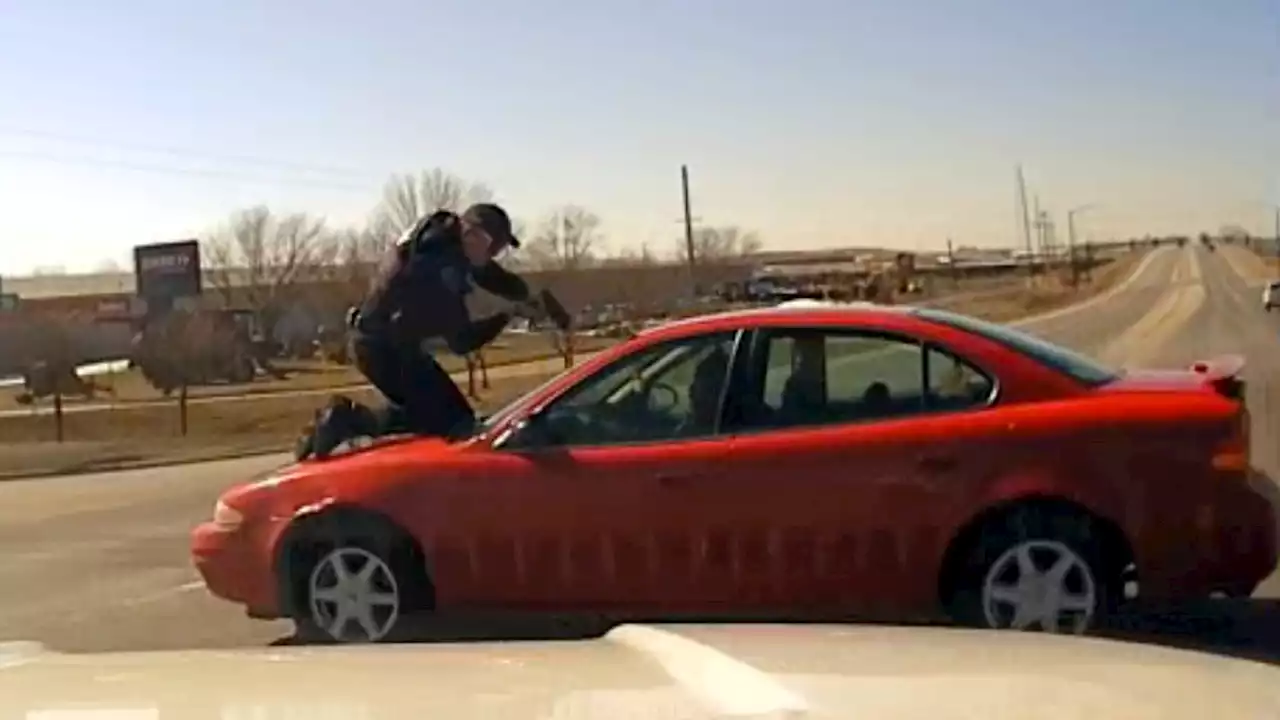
164,594
727,686
1094,301
1173,309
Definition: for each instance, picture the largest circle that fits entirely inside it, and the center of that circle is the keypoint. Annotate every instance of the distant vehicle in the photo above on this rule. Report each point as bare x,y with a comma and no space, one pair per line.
1271,295
881,462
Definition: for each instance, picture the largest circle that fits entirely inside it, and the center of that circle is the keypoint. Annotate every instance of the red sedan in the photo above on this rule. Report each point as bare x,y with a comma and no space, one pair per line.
861,460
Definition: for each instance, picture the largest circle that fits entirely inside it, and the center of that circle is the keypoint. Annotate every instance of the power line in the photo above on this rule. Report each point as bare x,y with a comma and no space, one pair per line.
170,170
187,152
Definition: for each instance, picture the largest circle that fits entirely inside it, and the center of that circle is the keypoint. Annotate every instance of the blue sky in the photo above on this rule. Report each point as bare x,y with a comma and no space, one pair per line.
815,122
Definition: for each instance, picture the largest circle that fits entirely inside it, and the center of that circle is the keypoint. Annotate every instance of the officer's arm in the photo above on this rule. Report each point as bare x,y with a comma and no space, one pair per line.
501,282
477,334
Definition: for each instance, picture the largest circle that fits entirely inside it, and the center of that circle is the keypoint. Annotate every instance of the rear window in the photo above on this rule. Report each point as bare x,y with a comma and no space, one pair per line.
1082,368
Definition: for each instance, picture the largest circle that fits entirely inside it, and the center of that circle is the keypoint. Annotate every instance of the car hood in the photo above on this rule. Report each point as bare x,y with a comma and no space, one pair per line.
743,671
393,451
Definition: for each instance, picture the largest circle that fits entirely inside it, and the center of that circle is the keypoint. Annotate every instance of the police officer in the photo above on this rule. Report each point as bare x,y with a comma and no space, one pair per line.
417,305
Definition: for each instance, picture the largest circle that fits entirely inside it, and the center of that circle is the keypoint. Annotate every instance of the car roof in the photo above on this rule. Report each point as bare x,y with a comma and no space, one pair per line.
794,310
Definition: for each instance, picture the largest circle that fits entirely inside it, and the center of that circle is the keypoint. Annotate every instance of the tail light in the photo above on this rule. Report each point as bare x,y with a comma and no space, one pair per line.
1222,376
1232,452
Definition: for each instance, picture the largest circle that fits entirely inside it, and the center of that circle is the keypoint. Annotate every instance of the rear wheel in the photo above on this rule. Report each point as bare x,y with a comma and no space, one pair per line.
1037,569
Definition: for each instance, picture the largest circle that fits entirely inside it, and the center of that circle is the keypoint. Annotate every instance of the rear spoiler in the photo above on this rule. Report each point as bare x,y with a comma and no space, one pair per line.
1223,375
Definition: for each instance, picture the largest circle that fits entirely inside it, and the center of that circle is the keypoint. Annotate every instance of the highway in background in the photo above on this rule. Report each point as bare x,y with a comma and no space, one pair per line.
99,562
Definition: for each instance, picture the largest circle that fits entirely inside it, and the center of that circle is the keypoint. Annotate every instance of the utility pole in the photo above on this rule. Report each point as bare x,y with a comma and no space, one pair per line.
1024,211
1071,247
1277,245
1047,234
1071,241
688,231
1038,224
951,263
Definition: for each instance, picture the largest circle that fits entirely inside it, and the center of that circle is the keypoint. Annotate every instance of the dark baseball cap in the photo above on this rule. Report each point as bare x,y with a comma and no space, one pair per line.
495,222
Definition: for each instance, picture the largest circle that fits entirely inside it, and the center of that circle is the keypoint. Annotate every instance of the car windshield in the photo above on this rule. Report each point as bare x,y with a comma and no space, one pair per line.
500,415
1080,367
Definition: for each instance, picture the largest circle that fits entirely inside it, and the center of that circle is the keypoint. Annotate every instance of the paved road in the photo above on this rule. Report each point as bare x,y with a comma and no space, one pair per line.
99,562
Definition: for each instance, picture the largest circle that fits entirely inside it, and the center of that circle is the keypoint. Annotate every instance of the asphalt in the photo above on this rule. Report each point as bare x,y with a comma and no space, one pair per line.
99,562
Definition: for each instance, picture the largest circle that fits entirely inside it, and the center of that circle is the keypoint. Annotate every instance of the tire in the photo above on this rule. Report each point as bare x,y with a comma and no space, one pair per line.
374,610
1024,563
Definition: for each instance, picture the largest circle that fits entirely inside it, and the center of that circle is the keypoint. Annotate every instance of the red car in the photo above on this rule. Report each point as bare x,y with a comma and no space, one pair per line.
860,460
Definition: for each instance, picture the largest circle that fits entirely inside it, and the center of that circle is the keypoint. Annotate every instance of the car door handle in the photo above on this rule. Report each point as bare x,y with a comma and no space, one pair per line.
670,480
936,463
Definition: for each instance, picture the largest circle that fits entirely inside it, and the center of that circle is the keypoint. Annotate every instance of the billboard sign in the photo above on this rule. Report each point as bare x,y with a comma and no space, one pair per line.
166,272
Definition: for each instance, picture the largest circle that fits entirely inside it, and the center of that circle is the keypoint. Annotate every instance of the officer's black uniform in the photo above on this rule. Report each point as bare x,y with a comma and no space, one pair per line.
419,296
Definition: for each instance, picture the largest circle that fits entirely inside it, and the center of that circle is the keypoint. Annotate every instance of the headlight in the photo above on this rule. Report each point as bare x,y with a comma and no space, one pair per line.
226,517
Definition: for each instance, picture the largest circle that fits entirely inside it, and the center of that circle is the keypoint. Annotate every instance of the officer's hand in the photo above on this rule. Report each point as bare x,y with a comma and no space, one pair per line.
432,345
531,310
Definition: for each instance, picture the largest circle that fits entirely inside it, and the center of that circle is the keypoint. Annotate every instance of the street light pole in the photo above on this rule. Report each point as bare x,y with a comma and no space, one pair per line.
1071,241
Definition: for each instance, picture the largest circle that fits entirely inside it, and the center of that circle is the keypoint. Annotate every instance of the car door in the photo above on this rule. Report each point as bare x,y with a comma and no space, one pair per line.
842,455
589,481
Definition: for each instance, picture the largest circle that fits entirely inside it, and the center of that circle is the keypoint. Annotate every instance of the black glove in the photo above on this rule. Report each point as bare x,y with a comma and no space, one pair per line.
531,310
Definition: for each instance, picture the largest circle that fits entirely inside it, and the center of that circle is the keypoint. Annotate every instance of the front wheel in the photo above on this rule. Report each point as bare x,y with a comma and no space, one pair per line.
1037,570
352,596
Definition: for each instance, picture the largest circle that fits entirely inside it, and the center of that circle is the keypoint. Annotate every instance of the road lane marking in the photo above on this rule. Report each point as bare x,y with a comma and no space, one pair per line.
1140,344
1248,265
1123,286
724,684
163,594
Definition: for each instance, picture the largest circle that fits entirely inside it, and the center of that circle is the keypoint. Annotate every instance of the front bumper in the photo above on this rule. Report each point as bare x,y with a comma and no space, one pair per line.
236,566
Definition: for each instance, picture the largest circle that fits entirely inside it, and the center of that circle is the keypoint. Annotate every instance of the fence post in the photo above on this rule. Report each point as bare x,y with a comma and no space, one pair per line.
182,408
57,415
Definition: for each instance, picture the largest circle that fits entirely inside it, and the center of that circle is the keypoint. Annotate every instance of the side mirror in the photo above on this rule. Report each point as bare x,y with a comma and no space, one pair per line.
530,433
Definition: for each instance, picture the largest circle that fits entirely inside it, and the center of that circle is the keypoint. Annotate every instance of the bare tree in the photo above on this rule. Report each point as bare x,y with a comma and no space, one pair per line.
358,252
405,198
713,245
258,259
642,256
568,239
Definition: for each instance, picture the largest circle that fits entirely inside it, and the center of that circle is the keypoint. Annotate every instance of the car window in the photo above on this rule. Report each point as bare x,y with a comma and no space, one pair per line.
955,384
813,377
669,391
817,378
1083,369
